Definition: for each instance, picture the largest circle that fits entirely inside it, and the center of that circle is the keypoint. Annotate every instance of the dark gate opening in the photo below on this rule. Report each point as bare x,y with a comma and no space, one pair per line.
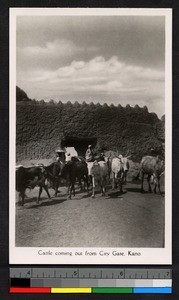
80,144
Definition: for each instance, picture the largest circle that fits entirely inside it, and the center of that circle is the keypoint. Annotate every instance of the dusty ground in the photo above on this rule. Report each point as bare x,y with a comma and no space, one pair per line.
130,219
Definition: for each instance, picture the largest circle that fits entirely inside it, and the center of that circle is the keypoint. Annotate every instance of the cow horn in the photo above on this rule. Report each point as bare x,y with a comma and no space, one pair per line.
162,173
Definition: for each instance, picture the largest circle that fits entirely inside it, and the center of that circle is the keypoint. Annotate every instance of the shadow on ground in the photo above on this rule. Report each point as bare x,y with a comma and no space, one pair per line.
135,190
116,194
138,190
47,203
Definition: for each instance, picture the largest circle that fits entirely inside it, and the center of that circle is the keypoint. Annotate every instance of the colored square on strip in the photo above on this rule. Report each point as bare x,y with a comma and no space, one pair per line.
20,290
71,290
154,290
20,282
114,290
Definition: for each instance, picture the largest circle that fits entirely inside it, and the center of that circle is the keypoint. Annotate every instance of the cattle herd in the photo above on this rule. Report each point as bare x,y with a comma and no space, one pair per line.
102,170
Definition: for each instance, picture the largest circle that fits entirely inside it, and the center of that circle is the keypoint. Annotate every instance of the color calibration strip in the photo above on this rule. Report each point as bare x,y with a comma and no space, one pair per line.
90,280
104,290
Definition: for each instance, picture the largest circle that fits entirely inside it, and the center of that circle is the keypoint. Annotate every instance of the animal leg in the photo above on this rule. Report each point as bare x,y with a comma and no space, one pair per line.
93,187
121,180
46,189
113,182
21,198
109,176
103,190
40,192
73,188
90,179
80,184
87,183
142,189
156,183
159,189
69,191
148,179
56,187
120,186
155,188
124,177
103,187
68,185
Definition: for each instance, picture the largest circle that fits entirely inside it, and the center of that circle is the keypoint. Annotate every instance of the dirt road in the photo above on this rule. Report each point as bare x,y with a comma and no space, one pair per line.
130,219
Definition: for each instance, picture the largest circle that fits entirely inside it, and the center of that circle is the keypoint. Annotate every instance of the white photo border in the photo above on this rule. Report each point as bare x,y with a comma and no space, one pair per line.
152,256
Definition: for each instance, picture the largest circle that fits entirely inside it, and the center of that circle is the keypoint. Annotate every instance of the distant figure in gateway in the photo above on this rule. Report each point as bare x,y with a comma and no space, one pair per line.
60,155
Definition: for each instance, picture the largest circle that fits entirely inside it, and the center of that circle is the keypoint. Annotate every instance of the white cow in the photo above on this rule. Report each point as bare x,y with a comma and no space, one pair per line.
125,162
118,172
154,167
99,172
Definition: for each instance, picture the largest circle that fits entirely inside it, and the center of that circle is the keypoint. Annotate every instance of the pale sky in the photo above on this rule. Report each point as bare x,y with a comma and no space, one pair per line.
112,59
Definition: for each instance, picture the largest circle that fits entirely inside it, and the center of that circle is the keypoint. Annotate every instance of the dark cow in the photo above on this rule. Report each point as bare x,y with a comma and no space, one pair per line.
29,178
154,168
53,174
81,171
76,168
70,170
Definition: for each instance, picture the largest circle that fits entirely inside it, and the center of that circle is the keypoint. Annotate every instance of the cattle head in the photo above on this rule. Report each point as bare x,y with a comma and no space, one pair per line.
43,171
120,157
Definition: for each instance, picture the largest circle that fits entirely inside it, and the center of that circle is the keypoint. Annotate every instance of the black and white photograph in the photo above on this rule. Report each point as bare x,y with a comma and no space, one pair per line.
90,136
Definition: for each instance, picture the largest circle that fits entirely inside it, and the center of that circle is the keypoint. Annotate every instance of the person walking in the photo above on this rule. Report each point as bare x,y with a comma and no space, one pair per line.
89,156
